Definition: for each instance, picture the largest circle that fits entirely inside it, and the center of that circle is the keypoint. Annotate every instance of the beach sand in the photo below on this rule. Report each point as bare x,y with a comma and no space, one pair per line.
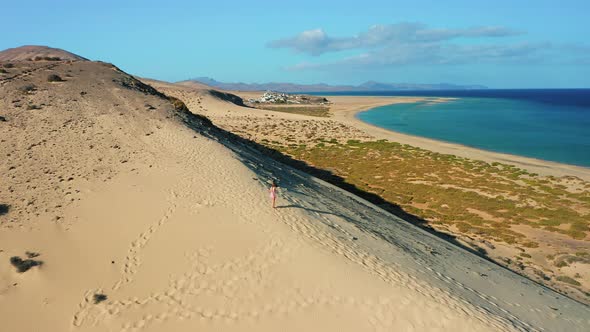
146,218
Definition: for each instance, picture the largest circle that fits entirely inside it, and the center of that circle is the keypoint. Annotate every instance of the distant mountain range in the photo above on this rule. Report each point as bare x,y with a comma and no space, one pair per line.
290,87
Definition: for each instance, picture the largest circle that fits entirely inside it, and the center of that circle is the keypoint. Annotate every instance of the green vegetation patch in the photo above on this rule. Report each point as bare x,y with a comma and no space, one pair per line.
568,280
319,111
472,196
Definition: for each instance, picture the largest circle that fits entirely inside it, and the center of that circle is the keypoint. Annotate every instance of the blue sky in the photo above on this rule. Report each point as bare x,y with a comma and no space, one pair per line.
501,44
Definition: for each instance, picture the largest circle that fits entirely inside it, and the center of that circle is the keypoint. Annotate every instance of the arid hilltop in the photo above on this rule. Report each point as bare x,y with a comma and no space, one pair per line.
39,53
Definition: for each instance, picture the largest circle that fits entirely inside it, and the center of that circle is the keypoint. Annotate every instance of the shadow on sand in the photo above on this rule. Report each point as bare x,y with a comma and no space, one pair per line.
4,209
296,206
252,155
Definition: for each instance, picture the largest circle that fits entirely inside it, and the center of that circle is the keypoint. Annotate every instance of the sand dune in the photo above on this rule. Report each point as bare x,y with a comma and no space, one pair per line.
146,218
234,118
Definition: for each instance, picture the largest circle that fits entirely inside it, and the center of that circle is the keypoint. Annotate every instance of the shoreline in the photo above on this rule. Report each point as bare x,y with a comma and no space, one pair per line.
346,108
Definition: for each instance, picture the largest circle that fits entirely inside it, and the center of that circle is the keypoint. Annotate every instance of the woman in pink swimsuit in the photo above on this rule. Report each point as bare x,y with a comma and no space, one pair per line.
273,193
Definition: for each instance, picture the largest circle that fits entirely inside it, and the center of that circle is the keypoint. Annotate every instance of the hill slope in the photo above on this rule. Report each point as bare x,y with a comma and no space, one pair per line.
129,213
31,52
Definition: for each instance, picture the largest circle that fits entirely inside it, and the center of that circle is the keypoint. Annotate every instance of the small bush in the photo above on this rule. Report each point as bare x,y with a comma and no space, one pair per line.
54,78
99,298
46,58
23,265
8,65
3,71
568,280
541,274
31,254
28,88
180,106
561,264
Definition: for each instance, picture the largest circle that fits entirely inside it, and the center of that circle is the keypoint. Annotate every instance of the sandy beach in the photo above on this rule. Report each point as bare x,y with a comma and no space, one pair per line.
134,213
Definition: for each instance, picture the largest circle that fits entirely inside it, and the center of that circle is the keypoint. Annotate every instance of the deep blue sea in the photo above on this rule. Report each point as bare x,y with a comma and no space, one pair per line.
549,124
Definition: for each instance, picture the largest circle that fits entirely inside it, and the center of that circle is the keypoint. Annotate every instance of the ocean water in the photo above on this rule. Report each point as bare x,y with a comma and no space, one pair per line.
544,124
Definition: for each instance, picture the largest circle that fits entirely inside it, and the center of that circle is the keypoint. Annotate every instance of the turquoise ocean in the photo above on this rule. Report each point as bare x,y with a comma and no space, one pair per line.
551,125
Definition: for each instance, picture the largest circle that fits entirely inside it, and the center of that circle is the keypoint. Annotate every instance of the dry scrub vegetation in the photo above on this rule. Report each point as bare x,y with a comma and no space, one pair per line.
319,111
519,218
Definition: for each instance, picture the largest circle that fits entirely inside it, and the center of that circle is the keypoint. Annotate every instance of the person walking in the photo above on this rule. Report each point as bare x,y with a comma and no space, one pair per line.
273,193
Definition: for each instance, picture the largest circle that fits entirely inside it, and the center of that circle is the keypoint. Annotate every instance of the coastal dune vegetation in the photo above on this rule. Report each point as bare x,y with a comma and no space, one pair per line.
486,202
474,196
537,225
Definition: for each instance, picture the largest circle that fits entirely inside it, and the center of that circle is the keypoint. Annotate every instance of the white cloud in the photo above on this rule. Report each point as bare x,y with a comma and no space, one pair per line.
316,42
416,43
